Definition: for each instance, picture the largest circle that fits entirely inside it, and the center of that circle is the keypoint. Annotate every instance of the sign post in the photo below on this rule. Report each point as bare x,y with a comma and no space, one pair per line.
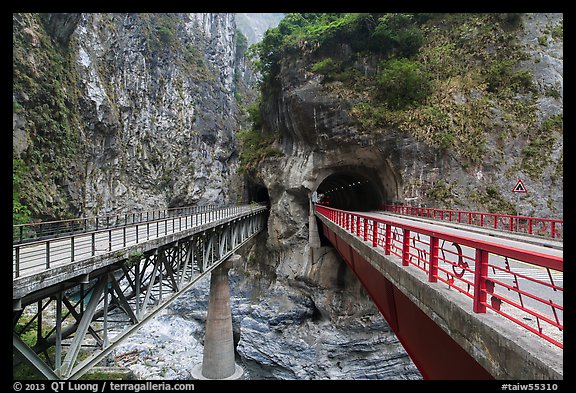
519,188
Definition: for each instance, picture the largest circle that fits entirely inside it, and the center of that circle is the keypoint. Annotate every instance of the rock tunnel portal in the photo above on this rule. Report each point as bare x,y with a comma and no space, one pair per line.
356,189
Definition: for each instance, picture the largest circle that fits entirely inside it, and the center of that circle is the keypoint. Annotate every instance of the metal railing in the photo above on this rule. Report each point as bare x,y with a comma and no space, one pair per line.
546,227
23,233
38,254
522,285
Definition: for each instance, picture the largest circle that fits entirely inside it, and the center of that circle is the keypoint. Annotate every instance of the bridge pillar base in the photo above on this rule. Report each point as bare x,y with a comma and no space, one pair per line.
197,374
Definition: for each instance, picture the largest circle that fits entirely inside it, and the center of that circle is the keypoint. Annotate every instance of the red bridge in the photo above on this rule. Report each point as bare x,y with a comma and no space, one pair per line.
465,301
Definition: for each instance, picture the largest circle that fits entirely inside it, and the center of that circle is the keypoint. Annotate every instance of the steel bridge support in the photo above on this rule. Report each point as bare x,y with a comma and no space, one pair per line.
63,330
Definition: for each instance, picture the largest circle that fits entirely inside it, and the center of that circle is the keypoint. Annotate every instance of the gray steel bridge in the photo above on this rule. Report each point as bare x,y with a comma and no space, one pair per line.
81,286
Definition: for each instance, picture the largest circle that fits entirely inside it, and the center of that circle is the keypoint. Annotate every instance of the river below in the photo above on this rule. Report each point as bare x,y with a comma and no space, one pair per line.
279,333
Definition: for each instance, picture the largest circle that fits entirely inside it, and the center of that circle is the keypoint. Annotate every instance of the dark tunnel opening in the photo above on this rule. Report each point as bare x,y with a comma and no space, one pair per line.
349,190
257,192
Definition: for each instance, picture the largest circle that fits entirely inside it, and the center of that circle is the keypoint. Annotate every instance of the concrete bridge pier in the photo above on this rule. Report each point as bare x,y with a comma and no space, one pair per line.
313,234
218,357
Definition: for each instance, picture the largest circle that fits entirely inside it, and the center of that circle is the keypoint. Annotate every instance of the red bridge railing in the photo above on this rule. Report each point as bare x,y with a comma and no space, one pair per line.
546,227
524,286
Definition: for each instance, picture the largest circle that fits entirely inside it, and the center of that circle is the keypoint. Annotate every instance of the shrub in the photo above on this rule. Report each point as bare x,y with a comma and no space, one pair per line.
20,212
397,34
326,66
500,76
402,83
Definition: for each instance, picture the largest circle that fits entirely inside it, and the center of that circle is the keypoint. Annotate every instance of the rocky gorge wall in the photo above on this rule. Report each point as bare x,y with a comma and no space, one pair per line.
148,110
124,112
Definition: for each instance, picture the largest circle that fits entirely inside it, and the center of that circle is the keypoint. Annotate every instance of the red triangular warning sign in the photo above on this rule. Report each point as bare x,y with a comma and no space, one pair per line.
519,187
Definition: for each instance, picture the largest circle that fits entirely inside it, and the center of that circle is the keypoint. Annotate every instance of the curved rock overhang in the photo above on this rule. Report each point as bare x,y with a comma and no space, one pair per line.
358,187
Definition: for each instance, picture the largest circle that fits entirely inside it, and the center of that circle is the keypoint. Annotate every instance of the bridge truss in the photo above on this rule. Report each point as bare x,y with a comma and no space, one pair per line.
63,330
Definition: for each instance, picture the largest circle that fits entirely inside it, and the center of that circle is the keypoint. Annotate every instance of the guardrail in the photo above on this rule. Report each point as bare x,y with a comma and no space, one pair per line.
546,227
23,233
41,254
488,273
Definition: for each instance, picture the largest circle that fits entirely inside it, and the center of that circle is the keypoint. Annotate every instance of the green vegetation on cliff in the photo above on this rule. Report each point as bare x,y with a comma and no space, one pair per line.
45,95
20,212
439,77
254,145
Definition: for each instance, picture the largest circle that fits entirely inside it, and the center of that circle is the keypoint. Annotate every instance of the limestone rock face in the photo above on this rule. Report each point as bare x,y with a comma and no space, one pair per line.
151,102
162,111
318,136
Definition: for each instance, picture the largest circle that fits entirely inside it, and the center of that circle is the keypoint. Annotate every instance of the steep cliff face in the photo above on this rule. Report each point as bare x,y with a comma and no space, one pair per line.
480,129
152,100
490,117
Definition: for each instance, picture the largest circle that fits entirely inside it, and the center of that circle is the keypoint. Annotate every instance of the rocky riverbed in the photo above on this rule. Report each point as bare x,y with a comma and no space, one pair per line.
279,334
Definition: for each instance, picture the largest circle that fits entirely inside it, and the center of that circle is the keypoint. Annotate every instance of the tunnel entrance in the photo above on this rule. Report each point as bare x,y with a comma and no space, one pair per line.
352,189
257,192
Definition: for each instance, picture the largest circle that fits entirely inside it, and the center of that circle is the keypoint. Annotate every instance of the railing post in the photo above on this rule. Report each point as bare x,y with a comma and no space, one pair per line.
357,226
388,240
406,247
374,233
480,275
433,268
365,229
17,261
553,229
72,248
93,244
529,226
